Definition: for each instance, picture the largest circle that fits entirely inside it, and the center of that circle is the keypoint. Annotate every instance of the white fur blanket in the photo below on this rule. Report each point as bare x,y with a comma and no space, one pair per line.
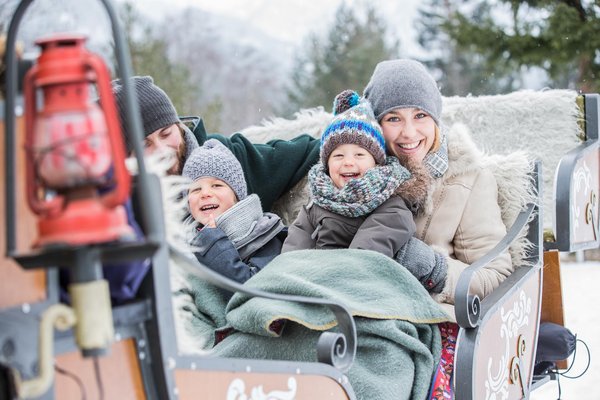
545,124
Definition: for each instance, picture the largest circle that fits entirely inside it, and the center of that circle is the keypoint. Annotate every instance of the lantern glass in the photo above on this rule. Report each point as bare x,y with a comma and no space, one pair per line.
72,148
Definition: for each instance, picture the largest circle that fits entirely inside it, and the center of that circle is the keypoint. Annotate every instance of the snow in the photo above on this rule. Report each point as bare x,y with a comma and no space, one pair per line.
581,298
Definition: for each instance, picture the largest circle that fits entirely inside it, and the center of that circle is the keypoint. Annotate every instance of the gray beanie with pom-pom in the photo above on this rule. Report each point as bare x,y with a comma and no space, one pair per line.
213,159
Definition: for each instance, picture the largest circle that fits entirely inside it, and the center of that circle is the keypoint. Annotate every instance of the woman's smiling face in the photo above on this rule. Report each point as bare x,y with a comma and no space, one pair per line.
408,132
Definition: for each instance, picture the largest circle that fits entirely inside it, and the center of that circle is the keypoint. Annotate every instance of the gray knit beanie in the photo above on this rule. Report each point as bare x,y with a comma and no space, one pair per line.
353,123
215,160
156,108
403,84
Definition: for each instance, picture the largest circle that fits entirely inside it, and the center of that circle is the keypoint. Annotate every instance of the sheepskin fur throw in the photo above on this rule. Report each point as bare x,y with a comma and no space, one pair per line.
545,124
174,211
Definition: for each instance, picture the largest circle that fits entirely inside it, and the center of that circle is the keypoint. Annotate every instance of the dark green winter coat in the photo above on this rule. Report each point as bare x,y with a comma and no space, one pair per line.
270,169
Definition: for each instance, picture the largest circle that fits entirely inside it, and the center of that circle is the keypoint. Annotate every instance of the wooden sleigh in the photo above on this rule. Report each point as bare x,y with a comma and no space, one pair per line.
497,340
145,361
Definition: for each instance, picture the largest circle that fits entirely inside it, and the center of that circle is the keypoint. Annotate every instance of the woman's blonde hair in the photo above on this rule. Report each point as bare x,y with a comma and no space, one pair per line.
437,140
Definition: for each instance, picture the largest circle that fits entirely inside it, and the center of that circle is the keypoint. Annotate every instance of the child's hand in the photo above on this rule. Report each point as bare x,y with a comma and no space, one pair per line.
211,222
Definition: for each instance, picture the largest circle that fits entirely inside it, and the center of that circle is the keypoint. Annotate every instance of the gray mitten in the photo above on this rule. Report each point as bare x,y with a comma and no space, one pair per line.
429,267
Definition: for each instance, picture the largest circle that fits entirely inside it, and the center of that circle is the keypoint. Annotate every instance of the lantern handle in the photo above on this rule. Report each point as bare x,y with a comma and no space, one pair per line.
122,178
47,207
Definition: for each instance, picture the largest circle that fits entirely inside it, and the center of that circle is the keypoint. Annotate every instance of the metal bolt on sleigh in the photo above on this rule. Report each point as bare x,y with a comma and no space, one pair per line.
143,349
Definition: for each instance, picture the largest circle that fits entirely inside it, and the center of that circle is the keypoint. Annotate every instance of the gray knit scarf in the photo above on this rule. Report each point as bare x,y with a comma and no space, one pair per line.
437,162
359,196
247,226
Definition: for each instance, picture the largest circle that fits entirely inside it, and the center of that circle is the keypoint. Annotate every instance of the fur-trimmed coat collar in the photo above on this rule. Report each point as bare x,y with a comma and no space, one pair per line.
463,154
463,157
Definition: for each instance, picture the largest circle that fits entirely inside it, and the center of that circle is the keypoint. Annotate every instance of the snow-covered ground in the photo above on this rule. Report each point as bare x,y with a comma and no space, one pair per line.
581,297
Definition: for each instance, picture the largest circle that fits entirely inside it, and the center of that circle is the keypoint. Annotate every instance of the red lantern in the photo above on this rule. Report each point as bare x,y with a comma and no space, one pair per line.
76,176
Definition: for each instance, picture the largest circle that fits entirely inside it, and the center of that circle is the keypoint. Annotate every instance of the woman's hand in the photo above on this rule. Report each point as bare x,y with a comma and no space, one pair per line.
429,267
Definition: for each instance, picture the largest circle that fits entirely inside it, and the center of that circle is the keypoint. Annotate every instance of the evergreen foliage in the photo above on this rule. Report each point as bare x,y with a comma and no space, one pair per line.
344,59
149,57
463,70
561,37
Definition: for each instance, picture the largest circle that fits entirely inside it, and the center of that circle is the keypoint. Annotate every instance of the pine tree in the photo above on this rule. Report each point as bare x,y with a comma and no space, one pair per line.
149,56
463,71
561,37
344,60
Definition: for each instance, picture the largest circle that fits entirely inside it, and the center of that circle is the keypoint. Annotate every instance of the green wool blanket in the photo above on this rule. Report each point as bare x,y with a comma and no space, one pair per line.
398,338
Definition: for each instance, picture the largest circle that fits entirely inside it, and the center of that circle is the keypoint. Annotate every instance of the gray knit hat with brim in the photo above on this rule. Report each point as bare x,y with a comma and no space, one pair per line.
213,159
156,109
403,84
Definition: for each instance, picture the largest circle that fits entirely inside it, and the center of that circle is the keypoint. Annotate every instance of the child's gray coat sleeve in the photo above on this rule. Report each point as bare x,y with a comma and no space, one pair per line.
215,250
386,229
300,234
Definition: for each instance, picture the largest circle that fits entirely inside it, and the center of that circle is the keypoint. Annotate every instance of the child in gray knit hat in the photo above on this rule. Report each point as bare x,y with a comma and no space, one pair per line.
231,234
358,195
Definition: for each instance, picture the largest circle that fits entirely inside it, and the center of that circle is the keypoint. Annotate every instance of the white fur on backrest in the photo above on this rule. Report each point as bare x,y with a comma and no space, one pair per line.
545,124
310,121
174,210
515,191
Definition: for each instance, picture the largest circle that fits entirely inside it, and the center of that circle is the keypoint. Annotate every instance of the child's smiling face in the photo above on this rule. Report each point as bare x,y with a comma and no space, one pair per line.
208,198
348,161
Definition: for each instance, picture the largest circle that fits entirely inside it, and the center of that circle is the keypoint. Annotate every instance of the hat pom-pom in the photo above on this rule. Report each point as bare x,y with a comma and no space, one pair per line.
344,101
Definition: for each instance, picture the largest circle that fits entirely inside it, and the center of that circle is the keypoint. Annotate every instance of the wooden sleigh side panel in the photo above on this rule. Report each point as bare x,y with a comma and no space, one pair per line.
278,381
120,374
498,337
495,351
496,359
18,287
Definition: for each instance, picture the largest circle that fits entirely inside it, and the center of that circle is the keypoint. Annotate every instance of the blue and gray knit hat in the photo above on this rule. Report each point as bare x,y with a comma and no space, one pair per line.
353,123
215,160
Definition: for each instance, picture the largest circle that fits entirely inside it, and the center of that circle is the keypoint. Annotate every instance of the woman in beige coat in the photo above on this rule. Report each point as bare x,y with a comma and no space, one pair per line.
461,219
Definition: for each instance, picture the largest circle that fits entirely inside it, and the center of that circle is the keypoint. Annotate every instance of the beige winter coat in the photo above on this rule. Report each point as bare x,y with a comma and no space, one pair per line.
462,220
